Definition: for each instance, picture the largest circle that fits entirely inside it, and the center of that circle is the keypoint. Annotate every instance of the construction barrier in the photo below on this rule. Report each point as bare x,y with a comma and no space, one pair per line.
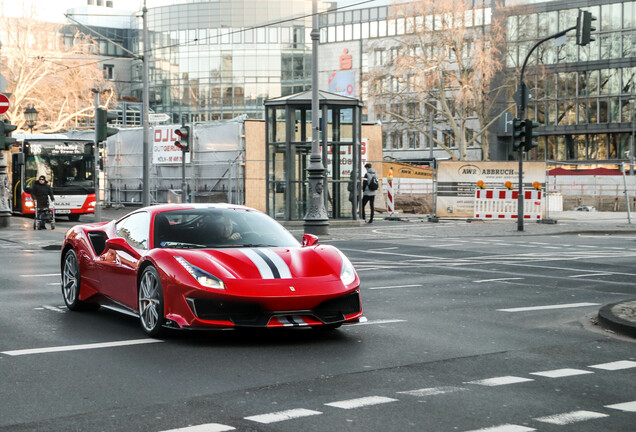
390,200
502,204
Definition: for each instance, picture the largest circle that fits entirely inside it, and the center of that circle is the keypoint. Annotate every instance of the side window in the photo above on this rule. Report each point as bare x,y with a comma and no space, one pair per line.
135,229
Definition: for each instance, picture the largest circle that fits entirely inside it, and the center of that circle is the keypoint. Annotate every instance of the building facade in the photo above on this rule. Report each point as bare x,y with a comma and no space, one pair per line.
215,60
582,97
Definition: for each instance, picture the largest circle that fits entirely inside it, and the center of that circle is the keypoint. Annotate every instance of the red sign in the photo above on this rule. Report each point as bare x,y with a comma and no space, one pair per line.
4,104
345,60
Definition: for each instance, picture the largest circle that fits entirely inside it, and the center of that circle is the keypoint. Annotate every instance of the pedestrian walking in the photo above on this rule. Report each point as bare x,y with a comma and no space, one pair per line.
370,185
41,192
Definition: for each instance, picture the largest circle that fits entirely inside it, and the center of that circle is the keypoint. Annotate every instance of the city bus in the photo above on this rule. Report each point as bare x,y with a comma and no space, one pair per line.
69,167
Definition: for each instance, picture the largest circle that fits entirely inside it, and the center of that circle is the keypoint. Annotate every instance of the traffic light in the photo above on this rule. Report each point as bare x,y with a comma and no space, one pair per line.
6,141
102,118
584,28
185,138
529,144
518,133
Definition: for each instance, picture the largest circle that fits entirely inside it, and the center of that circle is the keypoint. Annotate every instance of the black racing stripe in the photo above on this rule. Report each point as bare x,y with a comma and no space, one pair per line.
269,263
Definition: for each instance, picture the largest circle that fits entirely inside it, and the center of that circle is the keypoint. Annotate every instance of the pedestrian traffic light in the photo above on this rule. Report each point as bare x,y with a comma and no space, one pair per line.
518,133
529,144
584,28
185,138
102,118
6,140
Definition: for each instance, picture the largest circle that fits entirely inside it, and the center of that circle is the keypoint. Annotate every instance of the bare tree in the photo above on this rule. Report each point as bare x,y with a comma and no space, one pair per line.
444,58
53,71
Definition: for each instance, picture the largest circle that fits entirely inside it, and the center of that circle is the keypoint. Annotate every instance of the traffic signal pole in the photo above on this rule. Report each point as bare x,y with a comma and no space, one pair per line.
521,111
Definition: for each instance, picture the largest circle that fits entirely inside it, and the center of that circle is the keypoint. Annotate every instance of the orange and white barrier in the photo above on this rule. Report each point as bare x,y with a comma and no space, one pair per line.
502,204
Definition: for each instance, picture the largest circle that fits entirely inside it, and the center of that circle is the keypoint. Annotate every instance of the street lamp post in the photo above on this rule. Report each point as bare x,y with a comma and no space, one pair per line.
31,117
631,142
316,219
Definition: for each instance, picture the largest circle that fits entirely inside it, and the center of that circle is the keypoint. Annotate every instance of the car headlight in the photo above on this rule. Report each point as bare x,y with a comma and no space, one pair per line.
204,278
347,273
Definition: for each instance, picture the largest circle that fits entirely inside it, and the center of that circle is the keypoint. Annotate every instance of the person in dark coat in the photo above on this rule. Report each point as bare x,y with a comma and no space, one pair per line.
368,192
41,192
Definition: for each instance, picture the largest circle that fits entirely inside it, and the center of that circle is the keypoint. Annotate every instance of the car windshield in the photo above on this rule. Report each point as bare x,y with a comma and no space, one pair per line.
206,228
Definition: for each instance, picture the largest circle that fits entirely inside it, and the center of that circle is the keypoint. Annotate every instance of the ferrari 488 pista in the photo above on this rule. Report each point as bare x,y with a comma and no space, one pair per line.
195,266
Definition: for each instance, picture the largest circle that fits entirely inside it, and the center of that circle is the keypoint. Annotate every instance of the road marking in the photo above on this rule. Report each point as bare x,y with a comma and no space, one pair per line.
590,275
210,427
55,309
387,321
79,347
560,306
40,275
496,280
395,286
617,365
53,283
361,402
571,417
282,415
504,380
627,406
560,373
505,428
432,391
386,248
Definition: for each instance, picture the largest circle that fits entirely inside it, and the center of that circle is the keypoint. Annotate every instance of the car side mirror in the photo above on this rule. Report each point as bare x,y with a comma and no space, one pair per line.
309,240
121,244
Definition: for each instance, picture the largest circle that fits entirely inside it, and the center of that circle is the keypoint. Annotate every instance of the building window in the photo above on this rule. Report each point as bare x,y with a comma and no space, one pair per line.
109,72
449,138
414,140
396,140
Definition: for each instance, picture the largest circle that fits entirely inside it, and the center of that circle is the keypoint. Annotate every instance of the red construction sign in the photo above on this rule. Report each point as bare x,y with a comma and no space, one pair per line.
4,104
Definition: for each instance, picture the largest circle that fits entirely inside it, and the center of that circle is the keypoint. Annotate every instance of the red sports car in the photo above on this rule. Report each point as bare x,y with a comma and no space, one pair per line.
192,266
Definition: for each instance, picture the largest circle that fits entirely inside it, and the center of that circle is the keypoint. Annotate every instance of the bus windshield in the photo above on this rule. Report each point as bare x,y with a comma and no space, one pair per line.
68,167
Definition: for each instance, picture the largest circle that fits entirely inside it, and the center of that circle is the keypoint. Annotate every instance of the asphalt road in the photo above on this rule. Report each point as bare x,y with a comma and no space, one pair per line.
465,333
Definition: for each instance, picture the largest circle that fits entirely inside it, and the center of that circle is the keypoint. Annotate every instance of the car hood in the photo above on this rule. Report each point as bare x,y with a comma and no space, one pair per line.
266,263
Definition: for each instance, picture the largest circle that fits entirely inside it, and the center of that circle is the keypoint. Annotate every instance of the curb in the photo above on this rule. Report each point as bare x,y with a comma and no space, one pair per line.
608,319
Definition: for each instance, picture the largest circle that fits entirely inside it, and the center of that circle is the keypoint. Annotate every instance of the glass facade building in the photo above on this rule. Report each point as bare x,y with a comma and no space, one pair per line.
215,60
582,96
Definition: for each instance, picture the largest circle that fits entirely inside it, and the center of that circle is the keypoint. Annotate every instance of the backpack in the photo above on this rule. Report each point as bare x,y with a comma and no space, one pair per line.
373,183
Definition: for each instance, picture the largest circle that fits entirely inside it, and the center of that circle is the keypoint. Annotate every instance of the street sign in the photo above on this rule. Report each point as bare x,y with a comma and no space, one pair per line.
158,118
4,104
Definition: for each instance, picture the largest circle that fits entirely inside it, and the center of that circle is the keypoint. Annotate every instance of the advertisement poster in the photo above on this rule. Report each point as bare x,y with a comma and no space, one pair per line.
164,152
457,181
342,83
346,161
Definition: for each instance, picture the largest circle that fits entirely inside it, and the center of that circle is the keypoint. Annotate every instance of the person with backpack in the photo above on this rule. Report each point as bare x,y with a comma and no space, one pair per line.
370,185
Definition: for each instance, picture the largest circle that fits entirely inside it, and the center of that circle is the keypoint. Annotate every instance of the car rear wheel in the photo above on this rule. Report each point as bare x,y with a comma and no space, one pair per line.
151,302
71,282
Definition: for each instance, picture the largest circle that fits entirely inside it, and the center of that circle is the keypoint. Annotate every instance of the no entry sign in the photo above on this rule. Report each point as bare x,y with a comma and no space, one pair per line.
4,104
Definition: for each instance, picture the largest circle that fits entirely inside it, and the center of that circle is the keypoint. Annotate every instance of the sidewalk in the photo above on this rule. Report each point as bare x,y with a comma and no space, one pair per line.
619,317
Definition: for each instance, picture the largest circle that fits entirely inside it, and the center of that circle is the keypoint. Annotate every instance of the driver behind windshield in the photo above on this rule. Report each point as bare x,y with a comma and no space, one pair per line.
218,228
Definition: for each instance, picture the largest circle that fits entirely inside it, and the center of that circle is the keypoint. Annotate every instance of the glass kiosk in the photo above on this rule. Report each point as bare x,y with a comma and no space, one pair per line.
288,130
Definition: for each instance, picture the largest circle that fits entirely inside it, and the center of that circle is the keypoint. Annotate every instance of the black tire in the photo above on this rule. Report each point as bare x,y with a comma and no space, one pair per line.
71,283
73,217
150,302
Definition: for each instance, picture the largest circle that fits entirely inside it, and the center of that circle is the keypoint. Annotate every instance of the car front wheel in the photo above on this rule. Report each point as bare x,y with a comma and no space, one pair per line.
151,302
71,282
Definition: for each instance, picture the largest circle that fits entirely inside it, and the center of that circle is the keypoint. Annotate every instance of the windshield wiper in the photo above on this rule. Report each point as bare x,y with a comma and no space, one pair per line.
254,245
180,245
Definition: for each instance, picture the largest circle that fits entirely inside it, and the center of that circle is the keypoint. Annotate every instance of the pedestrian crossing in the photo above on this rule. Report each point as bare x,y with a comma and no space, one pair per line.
388,401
